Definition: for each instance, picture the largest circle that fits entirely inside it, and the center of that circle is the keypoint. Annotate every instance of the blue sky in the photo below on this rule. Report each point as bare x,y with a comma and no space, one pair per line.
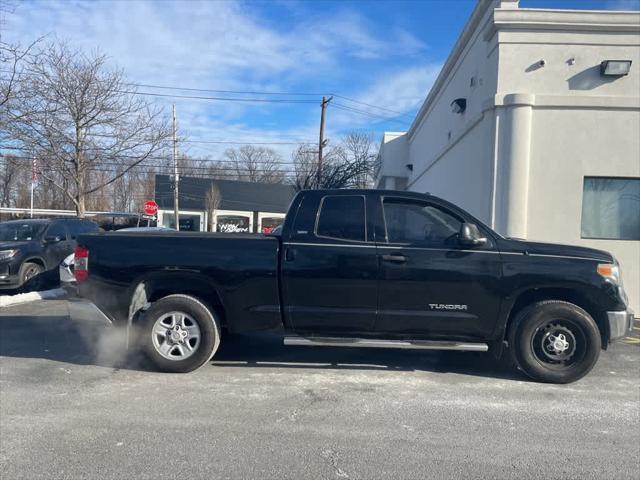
384,53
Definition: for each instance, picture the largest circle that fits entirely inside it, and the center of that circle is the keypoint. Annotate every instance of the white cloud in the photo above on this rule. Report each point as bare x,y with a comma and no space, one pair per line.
219,43
226,45
402,91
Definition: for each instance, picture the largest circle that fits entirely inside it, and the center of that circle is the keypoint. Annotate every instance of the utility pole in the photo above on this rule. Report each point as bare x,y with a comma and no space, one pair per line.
322,142
176,178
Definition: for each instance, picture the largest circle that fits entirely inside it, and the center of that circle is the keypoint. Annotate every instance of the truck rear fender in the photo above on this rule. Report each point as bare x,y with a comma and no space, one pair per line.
155,286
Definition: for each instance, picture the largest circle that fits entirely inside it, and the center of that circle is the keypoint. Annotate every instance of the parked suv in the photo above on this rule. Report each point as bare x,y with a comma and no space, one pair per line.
30,247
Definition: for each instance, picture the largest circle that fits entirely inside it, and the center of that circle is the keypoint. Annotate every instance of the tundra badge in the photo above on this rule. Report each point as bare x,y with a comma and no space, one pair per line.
443,306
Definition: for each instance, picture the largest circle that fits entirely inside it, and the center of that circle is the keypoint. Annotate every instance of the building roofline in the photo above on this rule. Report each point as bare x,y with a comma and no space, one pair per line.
565,20
507,16
394,133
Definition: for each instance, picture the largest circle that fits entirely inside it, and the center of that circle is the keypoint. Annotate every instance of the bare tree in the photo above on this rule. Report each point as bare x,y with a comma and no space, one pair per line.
14,60
256,164
358,150
213,199
9,173
347,165
84,120
305,165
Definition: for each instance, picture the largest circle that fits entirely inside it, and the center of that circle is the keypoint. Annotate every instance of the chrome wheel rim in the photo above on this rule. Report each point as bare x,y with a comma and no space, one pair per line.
30,273
176,336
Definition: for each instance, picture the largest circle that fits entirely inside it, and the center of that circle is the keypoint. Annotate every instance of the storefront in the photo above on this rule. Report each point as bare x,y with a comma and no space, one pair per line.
189,221
242,207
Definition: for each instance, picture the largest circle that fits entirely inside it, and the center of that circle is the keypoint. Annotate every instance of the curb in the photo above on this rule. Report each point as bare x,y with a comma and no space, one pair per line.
10,300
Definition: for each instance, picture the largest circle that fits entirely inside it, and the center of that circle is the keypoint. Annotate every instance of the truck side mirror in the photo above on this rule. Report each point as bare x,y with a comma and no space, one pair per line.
470,235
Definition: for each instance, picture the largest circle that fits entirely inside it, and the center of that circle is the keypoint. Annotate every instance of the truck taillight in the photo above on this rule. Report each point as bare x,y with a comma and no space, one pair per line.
81,264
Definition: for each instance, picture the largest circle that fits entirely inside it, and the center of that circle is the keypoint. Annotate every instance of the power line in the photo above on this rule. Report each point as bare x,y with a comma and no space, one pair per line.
147,166
166,158
221,99
227,142
404,114
234,176
216,142
254,92
240,92
246,92
346,108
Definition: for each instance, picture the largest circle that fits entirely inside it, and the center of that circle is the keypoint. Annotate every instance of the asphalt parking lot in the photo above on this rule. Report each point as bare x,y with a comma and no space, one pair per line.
70,409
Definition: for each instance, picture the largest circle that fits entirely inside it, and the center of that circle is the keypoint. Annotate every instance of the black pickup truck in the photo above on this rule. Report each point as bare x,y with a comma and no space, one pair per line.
361,268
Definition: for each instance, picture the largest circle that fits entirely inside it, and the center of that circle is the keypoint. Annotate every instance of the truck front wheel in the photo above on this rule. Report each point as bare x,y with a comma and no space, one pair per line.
555,341
179,333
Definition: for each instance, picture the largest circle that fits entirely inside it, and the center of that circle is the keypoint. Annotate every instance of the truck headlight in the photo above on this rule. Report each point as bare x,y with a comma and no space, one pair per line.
7,254
610,271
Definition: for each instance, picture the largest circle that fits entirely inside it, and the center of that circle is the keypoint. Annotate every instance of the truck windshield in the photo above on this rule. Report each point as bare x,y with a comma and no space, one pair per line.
11,232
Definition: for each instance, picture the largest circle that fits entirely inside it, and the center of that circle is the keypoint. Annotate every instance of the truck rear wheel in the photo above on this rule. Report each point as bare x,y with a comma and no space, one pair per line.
179,333
555,341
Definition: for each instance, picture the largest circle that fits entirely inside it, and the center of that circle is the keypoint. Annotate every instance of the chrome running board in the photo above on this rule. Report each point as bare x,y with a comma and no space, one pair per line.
375,343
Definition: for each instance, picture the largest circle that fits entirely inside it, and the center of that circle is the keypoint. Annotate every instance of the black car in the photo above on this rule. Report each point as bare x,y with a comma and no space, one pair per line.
361,268
30,247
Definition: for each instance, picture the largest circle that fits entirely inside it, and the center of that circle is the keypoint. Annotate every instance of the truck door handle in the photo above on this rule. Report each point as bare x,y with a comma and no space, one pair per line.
396,258
290,254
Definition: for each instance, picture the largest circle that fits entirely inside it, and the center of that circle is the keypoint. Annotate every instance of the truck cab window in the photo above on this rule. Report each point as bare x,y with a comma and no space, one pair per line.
419,223
342,217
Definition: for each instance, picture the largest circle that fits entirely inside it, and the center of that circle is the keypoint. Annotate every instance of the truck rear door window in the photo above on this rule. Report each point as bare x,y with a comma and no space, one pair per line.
342,217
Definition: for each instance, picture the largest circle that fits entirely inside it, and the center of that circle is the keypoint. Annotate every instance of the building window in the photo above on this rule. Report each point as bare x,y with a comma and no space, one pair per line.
611,208
269,224
342,217
233,224
188,222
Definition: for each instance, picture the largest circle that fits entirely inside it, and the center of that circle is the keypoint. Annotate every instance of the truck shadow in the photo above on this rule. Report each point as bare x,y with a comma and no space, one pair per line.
57,338
267,351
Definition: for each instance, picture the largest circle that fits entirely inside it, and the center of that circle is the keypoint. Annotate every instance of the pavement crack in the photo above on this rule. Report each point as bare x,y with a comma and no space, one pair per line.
330,457
312,398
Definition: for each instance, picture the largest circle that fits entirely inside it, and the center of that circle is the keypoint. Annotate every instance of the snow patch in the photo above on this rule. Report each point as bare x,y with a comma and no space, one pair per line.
8,300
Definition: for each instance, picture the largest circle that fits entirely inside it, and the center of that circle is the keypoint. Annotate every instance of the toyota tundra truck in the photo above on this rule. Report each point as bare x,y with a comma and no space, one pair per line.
361,268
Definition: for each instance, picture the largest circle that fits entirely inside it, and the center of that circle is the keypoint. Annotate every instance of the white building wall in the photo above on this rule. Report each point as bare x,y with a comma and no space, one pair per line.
463,172
580,124
393,170
571,58
474,77
602,143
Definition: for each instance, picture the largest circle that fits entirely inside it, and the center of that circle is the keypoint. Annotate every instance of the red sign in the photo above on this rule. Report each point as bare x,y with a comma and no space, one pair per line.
150,207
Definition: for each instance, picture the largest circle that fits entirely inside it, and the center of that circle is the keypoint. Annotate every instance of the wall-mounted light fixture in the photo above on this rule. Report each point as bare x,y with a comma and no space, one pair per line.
409,166
615,68
459,105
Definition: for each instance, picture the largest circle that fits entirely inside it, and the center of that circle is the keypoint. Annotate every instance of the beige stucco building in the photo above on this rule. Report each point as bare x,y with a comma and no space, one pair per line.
547,146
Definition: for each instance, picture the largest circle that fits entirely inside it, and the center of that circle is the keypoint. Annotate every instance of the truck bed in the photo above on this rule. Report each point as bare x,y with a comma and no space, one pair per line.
241,268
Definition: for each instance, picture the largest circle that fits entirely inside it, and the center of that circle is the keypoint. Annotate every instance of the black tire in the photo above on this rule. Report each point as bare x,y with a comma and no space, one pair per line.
29,271
555,341
195,312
